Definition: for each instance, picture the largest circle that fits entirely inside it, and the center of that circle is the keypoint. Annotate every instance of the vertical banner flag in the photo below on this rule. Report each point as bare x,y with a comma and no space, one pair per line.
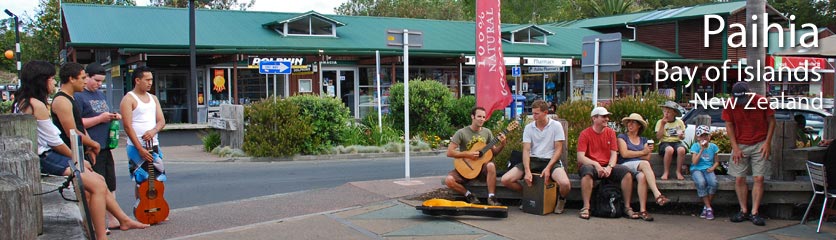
492,91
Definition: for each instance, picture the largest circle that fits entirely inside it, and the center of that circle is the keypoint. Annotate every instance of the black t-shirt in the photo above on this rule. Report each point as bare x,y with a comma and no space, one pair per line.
79,125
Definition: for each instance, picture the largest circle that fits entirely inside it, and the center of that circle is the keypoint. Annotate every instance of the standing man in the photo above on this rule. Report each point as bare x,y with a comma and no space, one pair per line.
542,145
597,156
750,127
458,148
142,120
97,118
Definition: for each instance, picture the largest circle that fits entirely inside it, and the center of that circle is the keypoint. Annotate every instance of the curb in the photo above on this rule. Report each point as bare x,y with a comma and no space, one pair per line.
333,157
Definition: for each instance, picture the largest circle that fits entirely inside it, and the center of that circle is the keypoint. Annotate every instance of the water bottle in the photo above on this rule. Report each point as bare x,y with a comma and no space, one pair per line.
113,140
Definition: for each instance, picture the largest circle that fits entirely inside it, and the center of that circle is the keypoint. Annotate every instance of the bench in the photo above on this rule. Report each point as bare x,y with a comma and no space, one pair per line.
781,195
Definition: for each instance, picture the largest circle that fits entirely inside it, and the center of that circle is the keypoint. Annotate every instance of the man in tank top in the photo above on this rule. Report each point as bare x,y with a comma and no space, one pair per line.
142,119
66,114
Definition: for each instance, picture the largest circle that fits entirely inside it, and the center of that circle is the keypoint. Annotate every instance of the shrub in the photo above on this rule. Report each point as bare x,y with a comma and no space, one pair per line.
428,107
647,106
211,140
354,134
5,107
377,136
275,128
576,113
459,112
328,118
514,142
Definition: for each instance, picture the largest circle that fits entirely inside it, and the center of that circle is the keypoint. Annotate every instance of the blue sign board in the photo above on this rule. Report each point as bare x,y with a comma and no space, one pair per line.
516,72
274,67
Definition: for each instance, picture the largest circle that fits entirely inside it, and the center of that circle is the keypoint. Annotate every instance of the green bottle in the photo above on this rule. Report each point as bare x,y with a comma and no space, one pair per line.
113,140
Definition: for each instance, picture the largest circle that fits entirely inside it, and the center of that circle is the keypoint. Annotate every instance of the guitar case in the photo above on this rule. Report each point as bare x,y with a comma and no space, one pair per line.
438,207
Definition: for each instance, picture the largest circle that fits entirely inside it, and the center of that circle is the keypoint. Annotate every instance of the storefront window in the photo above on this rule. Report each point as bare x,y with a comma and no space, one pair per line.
583,84
633,82
253,86
368,96
219,84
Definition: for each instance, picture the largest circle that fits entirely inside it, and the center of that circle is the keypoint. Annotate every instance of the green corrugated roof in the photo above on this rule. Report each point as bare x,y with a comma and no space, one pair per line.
661,15
222,31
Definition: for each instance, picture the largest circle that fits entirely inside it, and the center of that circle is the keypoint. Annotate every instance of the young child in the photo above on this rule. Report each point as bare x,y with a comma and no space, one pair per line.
670,131
703,164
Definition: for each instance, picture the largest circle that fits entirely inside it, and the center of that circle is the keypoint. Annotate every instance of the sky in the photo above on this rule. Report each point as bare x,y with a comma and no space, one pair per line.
28,7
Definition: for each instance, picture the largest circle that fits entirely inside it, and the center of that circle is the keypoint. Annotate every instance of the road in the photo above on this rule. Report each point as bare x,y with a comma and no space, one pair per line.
193,184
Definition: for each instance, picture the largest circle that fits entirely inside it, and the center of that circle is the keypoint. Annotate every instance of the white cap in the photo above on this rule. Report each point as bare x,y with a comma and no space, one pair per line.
600,111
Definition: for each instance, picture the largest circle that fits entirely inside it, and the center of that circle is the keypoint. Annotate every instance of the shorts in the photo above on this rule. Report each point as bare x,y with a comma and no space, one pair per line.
54,163
752,162
632,166
618,172
538,164
104,166
674,145
483,175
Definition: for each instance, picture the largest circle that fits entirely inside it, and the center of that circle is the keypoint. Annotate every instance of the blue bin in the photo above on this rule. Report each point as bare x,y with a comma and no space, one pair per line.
518,105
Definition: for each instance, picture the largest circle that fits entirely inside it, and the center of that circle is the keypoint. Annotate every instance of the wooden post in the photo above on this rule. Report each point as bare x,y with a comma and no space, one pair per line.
18,145
18,219
783,139
233,135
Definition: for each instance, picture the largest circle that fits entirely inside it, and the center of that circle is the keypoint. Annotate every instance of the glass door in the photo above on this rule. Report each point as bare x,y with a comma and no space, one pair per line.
342,83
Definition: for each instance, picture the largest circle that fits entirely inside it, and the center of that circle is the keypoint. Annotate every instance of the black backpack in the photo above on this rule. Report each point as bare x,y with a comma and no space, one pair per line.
607,201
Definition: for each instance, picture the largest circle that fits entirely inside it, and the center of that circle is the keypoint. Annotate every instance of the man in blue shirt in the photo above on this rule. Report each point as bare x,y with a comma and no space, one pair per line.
97,118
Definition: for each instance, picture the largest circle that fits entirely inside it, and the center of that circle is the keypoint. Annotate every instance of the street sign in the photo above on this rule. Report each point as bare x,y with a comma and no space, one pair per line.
516,72
394,38
274,67
609,53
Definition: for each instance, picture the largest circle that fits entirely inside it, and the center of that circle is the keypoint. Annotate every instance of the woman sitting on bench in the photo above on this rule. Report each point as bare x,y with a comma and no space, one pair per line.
37,81
634,153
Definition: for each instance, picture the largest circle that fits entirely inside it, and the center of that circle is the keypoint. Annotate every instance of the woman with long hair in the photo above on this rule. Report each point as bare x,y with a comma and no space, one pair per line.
37,81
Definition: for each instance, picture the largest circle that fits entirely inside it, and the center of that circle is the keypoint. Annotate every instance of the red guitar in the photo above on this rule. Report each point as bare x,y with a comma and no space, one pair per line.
152,207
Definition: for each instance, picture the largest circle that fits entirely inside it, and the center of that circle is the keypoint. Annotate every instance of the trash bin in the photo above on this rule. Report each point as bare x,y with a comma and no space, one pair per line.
517,105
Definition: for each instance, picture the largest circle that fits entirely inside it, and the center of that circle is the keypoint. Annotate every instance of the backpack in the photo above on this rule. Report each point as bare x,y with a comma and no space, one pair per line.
607,201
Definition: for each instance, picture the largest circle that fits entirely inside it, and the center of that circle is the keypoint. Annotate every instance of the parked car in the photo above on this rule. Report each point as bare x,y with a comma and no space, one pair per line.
815,118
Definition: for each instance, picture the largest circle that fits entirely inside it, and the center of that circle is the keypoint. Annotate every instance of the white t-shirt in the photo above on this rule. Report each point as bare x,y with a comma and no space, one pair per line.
542,142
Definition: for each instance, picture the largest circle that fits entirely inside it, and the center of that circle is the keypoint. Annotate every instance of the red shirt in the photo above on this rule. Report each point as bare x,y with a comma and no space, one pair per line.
750,125
598,146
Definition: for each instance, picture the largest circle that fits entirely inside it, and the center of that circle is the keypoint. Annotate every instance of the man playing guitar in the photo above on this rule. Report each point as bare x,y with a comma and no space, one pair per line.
458,148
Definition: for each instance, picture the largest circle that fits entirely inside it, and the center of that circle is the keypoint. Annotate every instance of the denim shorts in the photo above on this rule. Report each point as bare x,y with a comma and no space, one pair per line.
54,163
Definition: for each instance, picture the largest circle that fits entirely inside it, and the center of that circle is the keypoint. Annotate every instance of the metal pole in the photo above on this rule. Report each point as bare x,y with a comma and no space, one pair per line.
17,44
267,86
595,73
192,48
406,100
379,93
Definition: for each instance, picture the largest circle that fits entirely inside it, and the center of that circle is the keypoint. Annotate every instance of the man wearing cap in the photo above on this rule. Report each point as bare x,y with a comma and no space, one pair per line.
750,131
670,131
543,141
597,156
96,117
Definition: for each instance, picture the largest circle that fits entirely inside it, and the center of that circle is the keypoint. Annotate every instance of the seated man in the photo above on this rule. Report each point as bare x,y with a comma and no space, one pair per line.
459,148
597,151
542,145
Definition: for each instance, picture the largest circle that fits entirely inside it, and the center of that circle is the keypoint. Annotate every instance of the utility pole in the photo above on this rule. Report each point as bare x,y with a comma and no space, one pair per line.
756,56
17,42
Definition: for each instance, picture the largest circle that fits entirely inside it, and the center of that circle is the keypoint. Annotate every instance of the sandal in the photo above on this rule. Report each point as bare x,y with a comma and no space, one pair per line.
662,200
584,213
646,216
631,214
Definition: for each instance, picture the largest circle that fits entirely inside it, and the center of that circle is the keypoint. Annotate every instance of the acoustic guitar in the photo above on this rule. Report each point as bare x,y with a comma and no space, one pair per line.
470,168
152,207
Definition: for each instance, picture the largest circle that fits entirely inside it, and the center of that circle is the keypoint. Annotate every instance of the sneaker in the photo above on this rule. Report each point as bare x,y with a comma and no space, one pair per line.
472,199
703,213
709,214
758,220
739,217
493,202
560,206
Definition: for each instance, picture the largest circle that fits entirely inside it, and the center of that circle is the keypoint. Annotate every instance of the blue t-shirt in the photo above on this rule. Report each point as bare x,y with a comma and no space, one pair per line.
93,104
707,157
631,147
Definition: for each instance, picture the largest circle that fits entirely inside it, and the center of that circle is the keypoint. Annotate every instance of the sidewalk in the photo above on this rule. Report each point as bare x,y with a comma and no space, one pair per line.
380,209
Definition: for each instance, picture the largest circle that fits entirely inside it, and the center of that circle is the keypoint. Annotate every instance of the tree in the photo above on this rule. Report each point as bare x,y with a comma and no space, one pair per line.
422,9
822,13
211,4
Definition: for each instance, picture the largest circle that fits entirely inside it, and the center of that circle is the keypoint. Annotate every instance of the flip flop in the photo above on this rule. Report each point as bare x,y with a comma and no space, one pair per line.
646,216
631,214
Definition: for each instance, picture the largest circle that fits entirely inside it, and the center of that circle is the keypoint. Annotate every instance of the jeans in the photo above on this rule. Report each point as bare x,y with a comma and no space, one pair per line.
706,182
